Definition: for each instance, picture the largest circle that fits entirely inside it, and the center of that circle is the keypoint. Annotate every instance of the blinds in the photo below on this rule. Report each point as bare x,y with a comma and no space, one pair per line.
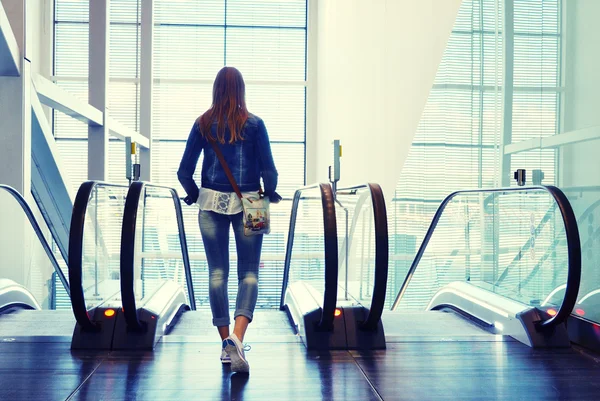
537,83
193,39
266,41
457,141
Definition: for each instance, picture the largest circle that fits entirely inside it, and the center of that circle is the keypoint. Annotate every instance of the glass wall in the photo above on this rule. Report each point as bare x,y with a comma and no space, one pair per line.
565,151
193,39
466,127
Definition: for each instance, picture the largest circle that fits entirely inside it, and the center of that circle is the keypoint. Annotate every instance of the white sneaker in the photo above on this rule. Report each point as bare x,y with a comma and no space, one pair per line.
224,357
235,349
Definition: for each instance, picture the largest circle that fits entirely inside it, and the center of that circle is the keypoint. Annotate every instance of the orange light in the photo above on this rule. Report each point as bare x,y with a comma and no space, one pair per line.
338,312
580,311
551,312
109,312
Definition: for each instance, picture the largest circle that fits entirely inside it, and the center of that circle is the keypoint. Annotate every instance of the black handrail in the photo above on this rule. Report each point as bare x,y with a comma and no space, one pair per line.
38,231
76,252
128,232
381,253
331,252
381,258
573,248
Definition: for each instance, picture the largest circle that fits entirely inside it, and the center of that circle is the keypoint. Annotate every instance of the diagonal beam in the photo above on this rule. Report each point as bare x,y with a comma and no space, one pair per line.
59,99
9,49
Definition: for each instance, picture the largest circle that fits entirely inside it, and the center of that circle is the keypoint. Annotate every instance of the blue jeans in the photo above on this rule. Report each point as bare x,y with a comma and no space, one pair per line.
214,228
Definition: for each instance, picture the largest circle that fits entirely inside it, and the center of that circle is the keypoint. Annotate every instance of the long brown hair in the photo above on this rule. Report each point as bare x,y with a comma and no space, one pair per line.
228,106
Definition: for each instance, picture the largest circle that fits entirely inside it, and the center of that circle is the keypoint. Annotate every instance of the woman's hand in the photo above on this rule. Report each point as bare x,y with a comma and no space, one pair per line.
189,201
274,197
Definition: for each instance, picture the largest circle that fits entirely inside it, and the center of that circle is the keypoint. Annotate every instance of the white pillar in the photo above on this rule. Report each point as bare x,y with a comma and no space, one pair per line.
15,157
311,96
15,111
508,55
146,86
98,88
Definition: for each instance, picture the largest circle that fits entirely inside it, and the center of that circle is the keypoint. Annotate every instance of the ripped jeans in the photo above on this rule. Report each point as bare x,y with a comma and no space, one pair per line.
214,228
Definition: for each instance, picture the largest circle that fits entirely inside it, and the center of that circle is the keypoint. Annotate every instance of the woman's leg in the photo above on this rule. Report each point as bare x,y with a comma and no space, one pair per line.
248,252
214,228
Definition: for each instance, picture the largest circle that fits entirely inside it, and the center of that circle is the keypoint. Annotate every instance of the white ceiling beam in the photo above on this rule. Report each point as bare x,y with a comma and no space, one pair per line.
120,131
59,99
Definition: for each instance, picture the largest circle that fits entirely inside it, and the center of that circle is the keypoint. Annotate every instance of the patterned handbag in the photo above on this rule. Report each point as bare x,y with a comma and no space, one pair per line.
257,217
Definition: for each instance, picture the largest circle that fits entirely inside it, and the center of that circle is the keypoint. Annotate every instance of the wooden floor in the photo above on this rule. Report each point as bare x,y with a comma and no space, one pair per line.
186,366
279,371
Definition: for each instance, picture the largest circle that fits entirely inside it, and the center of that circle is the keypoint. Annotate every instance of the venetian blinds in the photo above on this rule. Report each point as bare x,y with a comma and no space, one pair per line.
457,142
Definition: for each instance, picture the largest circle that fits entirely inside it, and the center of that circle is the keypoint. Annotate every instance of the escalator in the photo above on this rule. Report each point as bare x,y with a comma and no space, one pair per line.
451,292
331,298
30,282
159,300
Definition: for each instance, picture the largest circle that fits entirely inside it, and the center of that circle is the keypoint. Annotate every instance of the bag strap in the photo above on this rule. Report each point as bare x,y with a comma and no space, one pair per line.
225,166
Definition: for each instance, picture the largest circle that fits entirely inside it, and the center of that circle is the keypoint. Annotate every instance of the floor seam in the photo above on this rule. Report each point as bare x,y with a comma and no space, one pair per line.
366,377
70,397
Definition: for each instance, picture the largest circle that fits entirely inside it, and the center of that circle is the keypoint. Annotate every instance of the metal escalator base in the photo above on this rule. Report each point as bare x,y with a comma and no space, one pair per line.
267,326
37,326
434,326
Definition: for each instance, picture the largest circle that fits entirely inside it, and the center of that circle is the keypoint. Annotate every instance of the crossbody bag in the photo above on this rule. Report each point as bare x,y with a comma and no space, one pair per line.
257,216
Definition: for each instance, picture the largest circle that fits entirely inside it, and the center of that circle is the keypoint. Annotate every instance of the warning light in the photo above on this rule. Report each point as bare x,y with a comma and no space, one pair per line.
338,312
580,311
109,312
551,312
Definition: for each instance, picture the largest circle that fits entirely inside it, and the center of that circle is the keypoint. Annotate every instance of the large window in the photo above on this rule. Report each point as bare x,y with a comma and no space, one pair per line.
193,39
459,140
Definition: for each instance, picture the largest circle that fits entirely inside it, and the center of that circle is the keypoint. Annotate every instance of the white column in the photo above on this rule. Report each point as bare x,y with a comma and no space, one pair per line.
15,156
311,96
508,54
98,88
146,86
15,111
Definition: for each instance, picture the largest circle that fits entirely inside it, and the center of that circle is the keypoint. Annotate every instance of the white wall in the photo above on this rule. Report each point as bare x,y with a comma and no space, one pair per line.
40,35
376,62
579,163
22,257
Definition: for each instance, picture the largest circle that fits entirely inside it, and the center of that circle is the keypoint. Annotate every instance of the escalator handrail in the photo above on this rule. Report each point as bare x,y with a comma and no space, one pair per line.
76,252
381,254
127,265
38,231
573,247
331,252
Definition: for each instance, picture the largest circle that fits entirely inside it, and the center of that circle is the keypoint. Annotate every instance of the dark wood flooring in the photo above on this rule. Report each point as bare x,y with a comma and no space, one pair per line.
285,371
186,366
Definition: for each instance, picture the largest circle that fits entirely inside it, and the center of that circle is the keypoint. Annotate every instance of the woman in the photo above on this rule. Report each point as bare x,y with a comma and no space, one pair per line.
243,140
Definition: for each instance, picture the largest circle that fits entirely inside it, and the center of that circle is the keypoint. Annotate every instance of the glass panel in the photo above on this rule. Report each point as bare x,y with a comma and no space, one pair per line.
356,239
586,203
308,254
22,256
510,243
579,140
158,254
102,245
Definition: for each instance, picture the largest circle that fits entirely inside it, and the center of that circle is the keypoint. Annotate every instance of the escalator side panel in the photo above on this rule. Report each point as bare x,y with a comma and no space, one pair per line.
101,339
305,311
156,315
356,336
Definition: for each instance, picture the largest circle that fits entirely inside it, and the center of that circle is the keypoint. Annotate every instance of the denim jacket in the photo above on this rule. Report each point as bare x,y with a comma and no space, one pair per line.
248,159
